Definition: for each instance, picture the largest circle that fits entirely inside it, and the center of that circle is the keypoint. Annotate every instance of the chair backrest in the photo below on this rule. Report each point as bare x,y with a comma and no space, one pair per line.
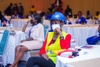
46,28
4,41
47,22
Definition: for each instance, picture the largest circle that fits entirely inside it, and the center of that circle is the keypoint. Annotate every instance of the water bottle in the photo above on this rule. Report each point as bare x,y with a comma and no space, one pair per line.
73,44
87,24
7,26
96,22
12,32
11,26
0,23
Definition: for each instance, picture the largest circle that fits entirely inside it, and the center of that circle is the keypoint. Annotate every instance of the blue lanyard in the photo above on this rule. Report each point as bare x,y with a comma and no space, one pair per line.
30,30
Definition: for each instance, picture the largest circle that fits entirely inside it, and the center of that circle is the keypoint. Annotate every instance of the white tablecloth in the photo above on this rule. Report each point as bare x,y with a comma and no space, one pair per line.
13,41
80,32
18,23
73,20
84,55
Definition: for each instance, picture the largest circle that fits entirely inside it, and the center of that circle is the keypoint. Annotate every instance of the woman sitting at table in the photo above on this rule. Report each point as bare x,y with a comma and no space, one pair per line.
97,16
56,41
94,39
81,19
35,38
16,15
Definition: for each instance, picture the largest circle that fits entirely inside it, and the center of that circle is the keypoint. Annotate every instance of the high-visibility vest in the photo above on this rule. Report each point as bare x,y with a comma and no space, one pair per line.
55,46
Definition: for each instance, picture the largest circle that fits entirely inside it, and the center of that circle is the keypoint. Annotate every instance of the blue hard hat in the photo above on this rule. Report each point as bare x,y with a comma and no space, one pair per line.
58,16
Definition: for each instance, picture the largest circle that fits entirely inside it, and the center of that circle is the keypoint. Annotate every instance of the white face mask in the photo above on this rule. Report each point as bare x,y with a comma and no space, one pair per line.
54,26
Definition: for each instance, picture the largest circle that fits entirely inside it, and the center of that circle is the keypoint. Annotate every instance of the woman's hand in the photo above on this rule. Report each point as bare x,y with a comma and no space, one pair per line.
24,28
28,21
59,31
45,56
23,41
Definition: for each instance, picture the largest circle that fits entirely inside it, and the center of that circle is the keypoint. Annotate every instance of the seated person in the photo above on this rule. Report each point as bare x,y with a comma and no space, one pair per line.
48,16
32,10
51,8
16,15
8,10
35,38
94,39
2,18
68,11
97,15
69,21
88,15
81,19
56,41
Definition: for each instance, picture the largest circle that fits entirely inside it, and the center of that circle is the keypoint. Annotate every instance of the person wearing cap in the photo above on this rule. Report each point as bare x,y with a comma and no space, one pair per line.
34,40
55,42
94,39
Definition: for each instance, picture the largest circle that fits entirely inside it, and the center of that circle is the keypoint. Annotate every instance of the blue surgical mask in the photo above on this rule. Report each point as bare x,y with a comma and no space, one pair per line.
54,26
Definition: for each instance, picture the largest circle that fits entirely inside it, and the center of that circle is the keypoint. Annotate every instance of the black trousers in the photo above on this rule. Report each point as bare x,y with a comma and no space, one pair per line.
40,62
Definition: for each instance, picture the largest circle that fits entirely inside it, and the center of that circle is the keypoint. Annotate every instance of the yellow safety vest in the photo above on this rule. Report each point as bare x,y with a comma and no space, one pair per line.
50,50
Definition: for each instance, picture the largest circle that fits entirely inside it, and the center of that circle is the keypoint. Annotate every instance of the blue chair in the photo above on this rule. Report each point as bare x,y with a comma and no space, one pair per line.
45,30
3,44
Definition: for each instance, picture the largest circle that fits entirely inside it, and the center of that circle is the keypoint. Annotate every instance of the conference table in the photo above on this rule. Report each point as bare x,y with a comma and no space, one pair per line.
88,57
80,32
13,41
18,23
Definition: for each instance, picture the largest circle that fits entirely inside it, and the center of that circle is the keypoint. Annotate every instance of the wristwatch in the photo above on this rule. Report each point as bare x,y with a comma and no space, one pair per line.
61,37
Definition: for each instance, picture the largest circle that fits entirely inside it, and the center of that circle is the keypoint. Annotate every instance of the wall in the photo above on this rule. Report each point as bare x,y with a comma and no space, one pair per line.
76,5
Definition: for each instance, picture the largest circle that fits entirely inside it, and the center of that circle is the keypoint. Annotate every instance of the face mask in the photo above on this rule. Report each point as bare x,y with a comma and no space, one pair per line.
54,26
